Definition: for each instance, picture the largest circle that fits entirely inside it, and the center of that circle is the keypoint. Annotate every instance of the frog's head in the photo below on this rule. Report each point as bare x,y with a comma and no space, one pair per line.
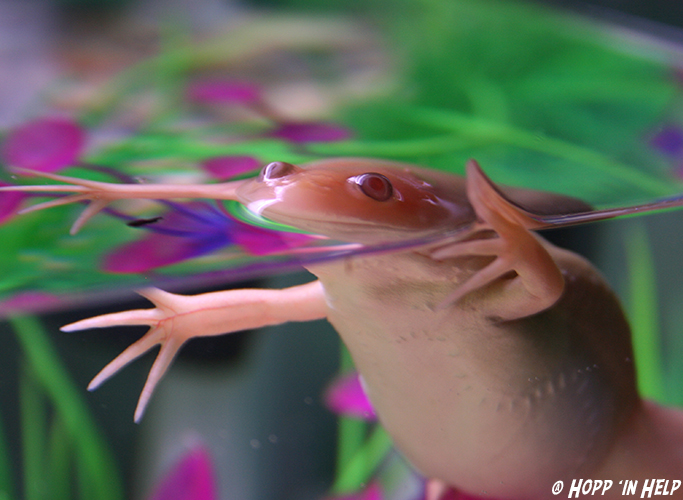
360,200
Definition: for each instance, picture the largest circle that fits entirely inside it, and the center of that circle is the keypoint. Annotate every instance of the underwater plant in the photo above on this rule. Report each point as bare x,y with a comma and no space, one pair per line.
606,139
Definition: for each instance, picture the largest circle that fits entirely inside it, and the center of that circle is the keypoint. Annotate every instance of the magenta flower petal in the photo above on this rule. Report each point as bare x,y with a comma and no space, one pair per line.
346,397
29,301
227,167
147,254
223,91
260,241
372,492
454,494
303,132
47,144
191,478
9,203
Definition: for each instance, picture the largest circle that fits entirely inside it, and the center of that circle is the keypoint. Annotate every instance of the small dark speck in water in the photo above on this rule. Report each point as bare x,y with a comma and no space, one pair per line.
143,222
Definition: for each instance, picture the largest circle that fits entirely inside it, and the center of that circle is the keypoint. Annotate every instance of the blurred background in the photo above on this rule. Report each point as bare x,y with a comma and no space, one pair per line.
255,399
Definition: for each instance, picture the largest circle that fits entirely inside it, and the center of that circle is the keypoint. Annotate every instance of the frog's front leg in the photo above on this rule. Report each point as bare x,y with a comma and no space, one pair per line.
538,282
99,195
178,318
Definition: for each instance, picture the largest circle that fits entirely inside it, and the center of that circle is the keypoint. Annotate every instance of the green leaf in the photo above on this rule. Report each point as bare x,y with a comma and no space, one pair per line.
644,313
94,461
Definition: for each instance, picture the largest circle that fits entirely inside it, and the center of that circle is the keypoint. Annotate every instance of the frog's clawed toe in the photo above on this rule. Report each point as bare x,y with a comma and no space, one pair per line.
515,248
160,320
96,193
501,265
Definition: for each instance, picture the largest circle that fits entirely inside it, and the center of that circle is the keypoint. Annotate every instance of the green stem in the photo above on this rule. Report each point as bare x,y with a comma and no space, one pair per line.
7,491
59,461
33,427
351,432
395,149
482,129
364,463
92,455
644,312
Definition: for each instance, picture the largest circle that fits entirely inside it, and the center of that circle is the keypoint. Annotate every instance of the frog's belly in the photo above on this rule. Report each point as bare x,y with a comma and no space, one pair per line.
472,406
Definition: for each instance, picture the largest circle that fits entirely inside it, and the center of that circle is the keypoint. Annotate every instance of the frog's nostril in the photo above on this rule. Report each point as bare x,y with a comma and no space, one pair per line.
277,170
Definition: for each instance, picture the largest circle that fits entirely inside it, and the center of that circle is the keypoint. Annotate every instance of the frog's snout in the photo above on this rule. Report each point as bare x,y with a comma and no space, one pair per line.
278,170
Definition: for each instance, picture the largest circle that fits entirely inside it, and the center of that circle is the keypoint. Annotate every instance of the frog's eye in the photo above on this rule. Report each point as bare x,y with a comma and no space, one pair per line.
375,186
277,170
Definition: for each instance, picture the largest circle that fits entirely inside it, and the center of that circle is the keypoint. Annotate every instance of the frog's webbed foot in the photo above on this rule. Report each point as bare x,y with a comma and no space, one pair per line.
100,194
163,331
178,318
517,251
96,193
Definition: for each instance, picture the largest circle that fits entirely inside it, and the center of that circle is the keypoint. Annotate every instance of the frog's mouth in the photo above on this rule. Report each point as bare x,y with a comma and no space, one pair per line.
338,227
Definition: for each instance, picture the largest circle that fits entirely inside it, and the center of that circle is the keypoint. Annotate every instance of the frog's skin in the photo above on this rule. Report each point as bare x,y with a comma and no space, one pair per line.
498,362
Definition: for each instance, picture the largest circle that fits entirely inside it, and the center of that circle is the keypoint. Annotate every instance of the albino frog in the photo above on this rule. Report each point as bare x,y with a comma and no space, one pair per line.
498,362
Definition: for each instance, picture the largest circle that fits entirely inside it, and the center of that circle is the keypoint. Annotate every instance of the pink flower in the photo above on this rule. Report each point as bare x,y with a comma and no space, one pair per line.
437,491
260,241
46,144
9,203
29,301
191,478
227,167
346,396
453,494
372,492
303,132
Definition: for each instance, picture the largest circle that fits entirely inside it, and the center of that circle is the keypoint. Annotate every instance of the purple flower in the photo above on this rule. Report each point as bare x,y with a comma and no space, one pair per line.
227,167
345,396
47,144
186,231
223,91
191,478
190,230
303,132
669,140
